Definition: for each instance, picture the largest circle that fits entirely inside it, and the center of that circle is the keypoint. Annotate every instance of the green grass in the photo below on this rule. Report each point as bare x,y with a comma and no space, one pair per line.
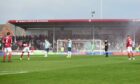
77,70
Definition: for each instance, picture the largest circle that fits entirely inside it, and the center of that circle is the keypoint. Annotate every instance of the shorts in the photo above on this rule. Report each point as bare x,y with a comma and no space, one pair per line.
106,48
69,48
47,49
129,49
26,49
8,49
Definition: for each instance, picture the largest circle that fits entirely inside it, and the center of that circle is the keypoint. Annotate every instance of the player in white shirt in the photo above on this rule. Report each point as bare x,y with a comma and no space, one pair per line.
47,46
69,47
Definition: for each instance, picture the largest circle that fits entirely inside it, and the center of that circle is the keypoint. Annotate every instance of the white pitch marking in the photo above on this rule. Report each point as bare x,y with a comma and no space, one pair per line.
17,72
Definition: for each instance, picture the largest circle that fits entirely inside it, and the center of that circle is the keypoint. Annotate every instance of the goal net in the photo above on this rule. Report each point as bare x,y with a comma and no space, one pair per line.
81,46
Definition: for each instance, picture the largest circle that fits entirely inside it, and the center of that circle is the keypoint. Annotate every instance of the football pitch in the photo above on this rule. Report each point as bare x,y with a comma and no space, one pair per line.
75,70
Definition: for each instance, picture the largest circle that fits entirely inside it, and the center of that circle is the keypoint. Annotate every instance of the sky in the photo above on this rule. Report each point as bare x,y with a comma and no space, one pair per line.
68,9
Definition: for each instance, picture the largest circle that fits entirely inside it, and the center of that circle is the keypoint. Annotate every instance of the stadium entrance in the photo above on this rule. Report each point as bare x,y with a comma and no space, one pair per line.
114,30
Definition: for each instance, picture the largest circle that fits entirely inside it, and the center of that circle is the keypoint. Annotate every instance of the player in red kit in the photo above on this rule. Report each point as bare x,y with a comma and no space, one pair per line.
7,41
129,44
26,48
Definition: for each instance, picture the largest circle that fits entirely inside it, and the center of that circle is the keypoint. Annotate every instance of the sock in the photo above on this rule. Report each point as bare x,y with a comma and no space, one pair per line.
4,57
28,55
106,54
9,57
22,55
129,55
46,54
70,54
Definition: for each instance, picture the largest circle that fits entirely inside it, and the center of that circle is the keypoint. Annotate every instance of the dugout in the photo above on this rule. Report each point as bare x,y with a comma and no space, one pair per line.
115,30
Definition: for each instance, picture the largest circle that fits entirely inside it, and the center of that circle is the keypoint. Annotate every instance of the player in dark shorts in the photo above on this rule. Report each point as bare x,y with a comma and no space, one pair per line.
69,49
69,46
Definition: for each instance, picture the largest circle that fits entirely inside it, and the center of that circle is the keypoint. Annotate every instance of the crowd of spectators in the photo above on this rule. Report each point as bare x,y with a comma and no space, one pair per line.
36,41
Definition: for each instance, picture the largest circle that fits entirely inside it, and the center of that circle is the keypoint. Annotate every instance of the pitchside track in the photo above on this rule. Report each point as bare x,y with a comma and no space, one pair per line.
77,70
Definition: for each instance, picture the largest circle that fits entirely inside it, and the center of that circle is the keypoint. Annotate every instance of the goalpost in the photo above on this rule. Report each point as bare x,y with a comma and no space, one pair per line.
82,46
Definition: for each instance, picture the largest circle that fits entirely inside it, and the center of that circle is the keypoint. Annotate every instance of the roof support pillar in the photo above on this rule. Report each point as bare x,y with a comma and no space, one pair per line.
15,34
54,38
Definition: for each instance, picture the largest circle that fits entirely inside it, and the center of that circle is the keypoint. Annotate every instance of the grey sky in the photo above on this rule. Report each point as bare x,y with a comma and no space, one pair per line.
67,9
